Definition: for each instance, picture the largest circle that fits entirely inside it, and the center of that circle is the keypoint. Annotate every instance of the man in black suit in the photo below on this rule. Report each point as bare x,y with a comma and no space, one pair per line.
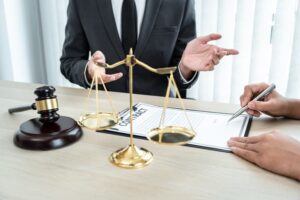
157,30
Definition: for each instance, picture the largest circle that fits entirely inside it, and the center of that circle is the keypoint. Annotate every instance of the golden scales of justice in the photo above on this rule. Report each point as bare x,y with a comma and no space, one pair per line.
133,157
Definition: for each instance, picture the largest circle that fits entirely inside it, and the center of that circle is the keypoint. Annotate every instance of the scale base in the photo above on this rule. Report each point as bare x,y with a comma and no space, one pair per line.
35,135
131,157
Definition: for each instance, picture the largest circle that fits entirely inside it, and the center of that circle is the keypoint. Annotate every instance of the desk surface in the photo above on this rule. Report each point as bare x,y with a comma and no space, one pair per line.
82,171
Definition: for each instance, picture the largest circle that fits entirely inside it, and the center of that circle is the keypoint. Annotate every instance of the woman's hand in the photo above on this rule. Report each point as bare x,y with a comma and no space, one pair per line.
274,104
272,151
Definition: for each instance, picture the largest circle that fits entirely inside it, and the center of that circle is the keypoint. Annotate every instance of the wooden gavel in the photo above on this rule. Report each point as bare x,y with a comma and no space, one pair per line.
46,105
50,130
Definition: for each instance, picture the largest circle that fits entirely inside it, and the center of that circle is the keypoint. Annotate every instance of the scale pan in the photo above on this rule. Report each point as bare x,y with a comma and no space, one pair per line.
172,135
98,122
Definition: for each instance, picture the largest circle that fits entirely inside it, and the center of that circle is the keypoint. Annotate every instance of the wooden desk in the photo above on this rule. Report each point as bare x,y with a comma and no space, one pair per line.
82,171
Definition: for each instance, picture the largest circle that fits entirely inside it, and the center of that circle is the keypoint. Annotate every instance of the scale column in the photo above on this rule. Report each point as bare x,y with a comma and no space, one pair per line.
131,157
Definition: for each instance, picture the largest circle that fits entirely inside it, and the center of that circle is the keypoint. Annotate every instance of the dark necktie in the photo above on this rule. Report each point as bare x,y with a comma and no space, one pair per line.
129,25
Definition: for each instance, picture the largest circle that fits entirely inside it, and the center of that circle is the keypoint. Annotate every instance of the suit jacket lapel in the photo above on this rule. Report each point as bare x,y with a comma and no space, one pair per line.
108,19
151,12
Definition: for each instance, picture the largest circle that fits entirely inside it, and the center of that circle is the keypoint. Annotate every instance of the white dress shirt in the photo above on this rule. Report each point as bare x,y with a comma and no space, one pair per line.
117,10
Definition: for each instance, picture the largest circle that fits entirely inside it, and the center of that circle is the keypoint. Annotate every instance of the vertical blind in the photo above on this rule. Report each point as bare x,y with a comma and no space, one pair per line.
266,32
31,38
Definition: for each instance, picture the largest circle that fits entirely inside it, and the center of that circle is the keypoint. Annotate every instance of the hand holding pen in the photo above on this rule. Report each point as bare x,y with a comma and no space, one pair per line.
262,97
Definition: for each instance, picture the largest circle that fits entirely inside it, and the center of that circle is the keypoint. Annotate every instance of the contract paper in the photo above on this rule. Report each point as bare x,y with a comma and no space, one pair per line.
212,129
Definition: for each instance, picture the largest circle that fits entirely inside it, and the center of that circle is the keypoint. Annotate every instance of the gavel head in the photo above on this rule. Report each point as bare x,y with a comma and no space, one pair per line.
46,104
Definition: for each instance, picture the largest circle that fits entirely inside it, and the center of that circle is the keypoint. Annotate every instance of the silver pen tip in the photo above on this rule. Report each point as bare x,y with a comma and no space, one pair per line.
229,120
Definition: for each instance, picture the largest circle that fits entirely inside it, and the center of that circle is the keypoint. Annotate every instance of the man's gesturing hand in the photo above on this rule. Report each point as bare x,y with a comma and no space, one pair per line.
201,56
98,56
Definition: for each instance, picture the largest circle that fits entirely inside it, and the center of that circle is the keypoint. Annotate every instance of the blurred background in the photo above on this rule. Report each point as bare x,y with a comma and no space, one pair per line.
266,32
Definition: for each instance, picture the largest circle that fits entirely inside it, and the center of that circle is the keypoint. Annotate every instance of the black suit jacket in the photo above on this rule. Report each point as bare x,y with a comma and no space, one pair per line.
167,27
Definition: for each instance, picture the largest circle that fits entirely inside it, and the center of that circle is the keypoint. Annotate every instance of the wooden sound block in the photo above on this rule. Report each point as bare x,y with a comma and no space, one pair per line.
35,135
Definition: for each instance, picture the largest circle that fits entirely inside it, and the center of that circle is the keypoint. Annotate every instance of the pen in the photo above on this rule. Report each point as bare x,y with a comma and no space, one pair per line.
263,94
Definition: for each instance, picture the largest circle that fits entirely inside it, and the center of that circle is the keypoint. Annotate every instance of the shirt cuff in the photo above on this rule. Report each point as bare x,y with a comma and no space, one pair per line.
183,79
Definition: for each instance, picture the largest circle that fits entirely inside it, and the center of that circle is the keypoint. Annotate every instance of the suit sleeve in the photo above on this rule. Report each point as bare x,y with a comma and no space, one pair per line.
75,49
187,33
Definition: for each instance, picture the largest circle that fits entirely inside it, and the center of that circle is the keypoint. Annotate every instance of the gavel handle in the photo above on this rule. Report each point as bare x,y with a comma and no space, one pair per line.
21,109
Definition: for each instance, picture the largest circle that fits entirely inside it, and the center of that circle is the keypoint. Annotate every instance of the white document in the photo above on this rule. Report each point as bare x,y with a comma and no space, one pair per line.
211,128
